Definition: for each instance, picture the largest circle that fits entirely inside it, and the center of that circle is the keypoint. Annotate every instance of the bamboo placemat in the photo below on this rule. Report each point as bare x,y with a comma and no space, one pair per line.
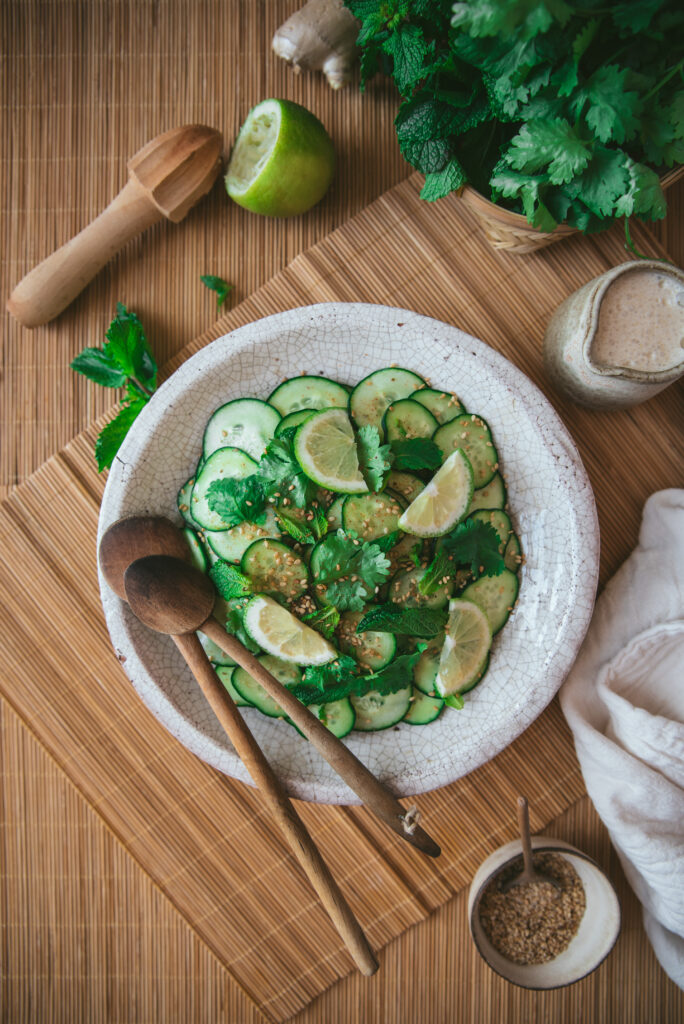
203,838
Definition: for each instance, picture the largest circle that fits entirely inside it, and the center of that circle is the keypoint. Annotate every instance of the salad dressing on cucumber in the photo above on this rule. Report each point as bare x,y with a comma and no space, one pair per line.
358,541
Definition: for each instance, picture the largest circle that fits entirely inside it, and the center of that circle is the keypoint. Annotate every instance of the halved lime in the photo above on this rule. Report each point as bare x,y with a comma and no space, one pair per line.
444,501
279,632
282,161
466,648
325,448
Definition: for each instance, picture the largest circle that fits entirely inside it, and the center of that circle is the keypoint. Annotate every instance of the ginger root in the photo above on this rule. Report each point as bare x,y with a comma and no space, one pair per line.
320,36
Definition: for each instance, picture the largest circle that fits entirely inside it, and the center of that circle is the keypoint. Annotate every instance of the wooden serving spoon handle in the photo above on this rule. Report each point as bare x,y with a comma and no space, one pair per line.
301,843
346,764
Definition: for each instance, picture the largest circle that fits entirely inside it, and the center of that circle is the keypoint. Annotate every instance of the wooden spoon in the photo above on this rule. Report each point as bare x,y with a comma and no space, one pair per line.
153,598
138,536
166,178
529,873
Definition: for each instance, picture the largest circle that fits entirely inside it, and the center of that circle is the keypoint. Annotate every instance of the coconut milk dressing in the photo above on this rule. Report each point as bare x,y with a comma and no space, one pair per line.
640,323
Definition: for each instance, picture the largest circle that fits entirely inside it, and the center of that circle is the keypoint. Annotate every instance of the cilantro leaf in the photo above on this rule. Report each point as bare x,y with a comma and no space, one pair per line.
218,285
236,500
612,108
229,581
281,474
112,435
416,453
643,194
375,459
348,570
347,594
549,144
99,367
472,544
396,675
325,621
391,618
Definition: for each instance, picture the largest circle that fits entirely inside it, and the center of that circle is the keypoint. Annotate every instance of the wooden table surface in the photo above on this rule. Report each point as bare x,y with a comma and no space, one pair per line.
84,84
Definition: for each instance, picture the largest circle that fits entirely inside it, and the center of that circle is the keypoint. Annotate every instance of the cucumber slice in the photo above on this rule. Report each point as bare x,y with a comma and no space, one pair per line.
472,434
492,495
214,653
183,501
375,711
293,419
371,397
513,554
221,465
197,555
246,423
401,555
253,692
334,513
499,520
338,716
495,595
405,419
372,515
443,406
406,485
425,669
373,650
308,393
225,674
423,709
273,568
404,591
230,545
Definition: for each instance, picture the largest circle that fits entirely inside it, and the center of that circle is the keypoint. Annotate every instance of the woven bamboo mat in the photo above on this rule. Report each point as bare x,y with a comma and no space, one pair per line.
201,838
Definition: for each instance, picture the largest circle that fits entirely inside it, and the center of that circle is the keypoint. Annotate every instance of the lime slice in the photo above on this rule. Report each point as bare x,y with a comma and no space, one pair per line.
325,448
466,648
444,501
279,632
282,162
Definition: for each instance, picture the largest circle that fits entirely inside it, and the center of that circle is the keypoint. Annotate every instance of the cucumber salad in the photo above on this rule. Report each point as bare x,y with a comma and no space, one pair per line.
359,545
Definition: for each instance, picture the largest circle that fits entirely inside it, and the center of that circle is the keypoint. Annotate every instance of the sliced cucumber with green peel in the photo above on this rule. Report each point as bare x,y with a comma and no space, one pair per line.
309,393
214,653
404,591
232,544
513,554
293,419
225,674
372,515
443,406
472,434
334,513
253,692
274,568
406,485
183,501
406,419
423,709
246,423
197,554
375,711
492,495
373,650
338,716
498,520
373,395
223,464
425,669
495,595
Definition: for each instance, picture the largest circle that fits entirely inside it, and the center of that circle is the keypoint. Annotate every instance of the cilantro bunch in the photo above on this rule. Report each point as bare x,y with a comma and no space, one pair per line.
562,111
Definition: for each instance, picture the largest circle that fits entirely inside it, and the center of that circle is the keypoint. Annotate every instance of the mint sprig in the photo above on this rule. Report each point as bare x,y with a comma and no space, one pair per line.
218,285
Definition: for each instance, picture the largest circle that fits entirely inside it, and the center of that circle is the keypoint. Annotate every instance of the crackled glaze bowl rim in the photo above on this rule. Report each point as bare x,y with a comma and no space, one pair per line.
506,382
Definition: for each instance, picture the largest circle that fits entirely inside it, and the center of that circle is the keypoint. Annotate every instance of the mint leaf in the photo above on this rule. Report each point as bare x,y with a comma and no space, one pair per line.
236,500
375,459
281,474
408,50
218,285
324,621
396,675
229,581
439,184
97,366
112,435
391,618
415,454
387,540
127,347
322,684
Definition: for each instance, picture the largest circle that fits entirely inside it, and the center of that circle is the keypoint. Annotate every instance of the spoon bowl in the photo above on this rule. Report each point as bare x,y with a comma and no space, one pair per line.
168,595
136,537
529,873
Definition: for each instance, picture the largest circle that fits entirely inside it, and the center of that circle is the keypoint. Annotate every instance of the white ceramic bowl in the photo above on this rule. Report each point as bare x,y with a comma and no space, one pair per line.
552,509
595,937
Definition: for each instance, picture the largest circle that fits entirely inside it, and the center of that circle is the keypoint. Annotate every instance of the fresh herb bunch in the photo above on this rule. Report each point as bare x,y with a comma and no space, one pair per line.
124,361
561,111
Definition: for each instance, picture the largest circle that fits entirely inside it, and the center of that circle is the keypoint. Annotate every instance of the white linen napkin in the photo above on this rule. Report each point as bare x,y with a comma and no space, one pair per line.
624,701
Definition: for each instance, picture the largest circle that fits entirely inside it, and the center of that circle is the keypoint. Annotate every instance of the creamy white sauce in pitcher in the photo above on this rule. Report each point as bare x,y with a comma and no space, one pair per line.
640,323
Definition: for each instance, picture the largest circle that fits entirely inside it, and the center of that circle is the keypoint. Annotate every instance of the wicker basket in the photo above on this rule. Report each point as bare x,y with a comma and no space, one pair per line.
511,231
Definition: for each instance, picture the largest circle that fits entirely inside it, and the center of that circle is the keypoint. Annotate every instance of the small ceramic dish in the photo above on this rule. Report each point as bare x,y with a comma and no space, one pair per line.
595,937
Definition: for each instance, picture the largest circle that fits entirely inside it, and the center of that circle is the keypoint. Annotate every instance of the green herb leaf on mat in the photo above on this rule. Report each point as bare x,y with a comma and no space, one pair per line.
97,366
112,435
375,458
390,618
236,500
218,285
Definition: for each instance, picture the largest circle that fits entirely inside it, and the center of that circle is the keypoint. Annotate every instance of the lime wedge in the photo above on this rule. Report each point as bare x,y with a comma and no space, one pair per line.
282,162
325,448
444,501
466,648
279,632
